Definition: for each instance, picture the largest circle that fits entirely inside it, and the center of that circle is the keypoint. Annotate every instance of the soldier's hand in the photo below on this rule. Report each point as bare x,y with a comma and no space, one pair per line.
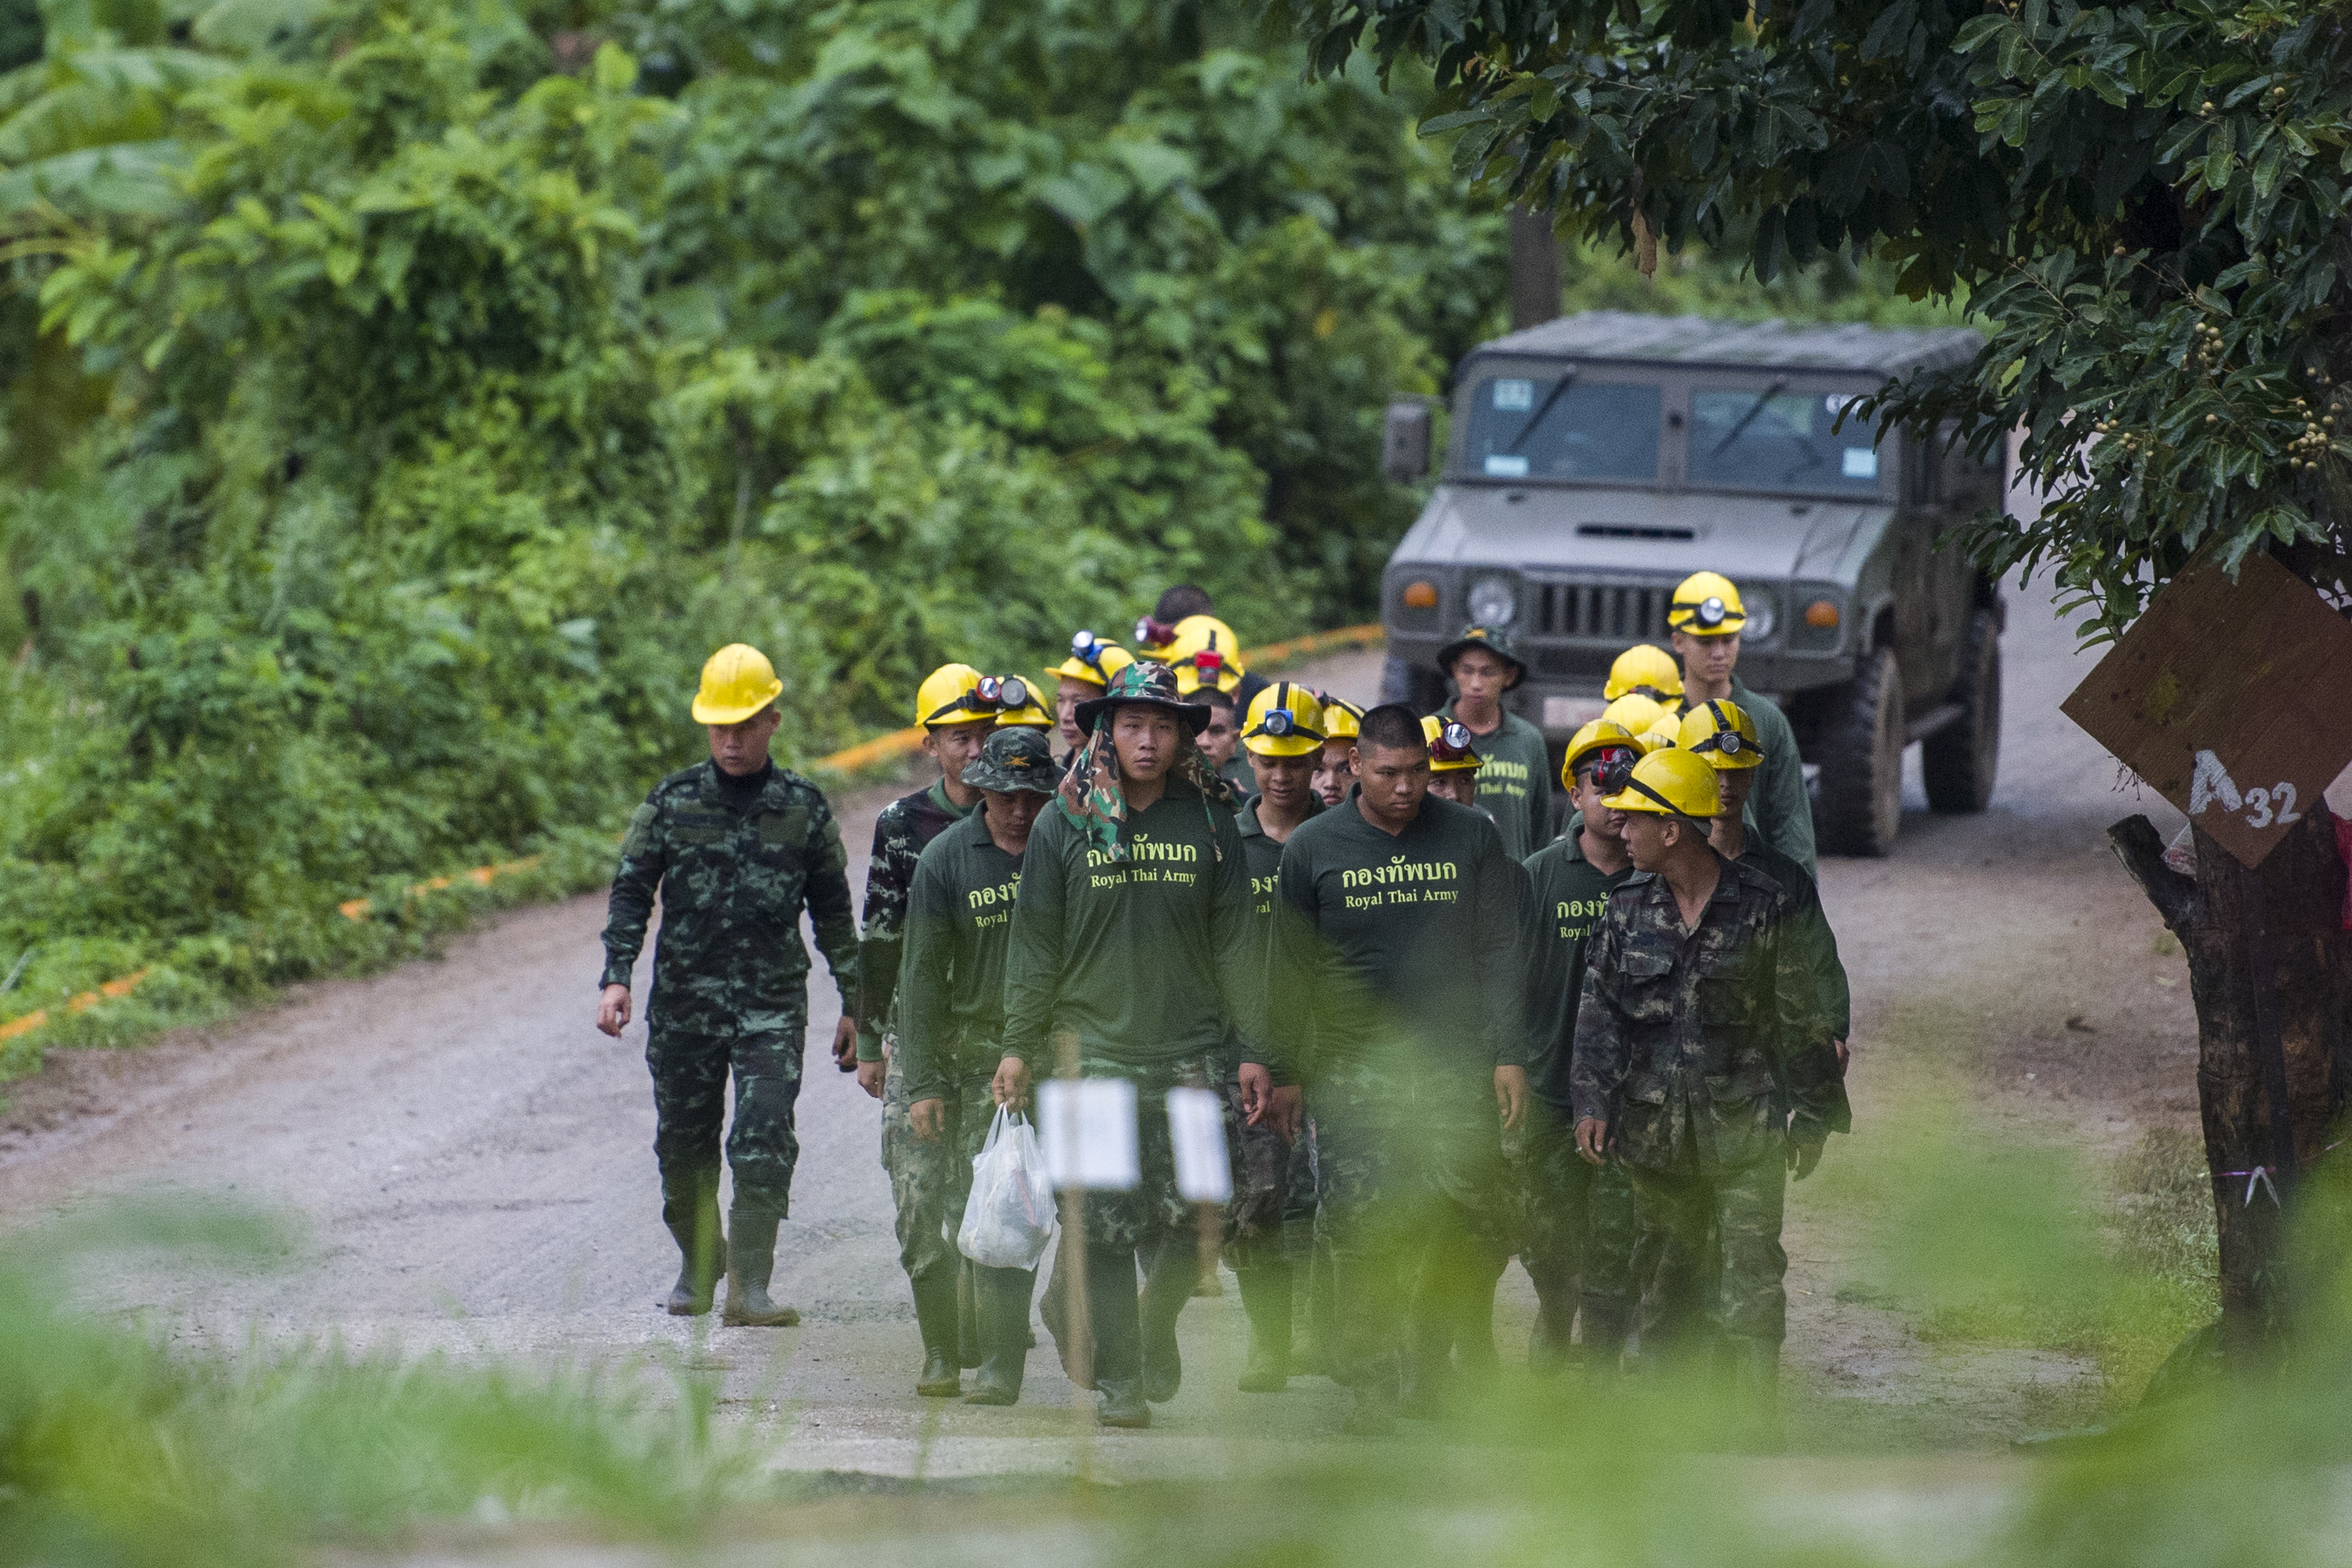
870,1077
845,1045
1805,1156
929,1117
1009,1087
1283,1111
612,1010
1257,1086
1844,1055
1592,1139
1511,1095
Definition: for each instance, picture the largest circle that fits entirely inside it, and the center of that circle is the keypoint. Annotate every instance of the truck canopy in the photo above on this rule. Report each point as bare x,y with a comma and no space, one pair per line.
1621,337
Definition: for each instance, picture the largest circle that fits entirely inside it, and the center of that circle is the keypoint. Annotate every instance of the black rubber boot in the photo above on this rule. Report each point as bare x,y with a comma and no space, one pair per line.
1312,1335
1175,1271
935,1316
1265,1297
1549,1347
693,1220
751,1260
1002,1296
1602,1351
1116,1318
1367,1328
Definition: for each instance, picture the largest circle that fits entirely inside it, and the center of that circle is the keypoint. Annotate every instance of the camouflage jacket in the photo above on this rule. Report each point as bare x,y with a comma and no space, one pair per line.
732,882
1686,1041
901,831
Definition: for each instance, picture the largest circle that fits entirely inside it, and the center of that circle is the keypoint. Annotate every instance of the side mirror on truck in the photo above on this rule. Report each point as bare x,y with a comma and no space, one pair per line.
1404,442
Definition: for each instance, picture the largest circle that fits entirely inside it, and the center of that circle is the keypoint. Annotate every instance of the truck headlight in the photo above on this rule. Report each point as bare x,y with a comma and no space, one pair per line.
1762,615
1493,602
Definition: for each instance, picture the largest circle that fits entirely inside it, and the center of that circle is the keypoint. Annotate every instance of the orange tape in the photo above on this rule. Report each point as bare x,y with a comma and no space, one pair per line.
480,876
898,742
81,1004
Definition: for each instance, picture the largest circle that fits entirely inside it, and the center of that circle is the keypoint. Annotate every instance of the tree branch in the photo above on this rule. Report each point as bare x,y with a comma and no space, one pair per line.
2142,852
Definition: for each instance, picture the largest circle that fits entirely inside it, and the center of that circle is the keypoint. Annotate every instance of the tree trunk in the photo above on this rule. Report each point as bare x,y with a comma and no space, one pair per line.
2271,970
1535,269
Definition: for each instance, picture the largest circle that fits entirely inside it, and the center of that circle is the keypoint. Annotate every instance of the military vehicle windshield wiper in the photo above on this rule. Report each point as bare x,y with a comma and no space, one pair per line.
1740,428
1567,379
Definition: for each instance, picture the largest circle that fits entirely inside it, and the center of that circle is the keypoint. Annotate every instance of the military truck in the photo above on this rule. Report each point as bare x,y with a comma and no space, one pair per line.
1596,460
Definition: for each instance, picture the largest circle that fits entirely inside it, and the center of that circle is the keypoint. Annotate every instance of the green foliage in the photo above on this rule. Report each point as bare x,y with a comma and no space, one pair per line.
2145,204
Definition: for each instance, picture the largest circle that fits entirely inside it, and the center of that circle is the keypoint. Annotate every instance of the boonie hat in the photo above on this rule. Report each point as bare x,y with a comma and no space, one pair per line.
1013,760
1495,640
1146,683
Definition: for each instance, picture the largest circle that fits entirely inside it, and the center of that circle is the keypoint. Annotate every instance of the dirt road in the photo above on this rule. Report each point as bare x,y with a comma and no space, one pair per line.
472,1158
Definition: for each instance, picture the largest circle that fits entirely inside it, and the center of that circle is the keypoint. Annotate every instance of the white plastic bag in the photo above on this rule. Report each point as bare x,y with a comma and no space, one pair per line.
1009,1217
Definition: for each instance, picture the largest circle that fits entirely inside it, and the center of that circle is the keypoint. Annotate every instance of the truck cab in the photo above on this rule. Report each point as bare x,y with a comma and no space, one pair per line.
1597,460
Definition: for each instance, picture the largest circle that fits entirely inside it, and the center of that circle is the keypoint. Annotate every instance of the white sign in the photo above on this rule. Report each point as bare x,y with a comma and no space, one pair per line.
1506,466
1861,463
1088,1126
1515,396
1196,1128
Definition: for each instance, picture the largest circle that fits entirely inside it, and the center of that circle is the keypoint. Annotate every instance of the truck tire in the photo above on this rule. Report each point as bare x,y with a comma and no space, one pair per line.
1422,691
1860,805
1960,759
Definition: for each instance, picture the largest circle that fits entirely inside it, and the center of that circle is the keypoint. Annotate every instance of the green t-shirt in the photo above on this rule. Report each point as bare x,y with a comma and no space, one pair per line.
1401,953
1515,786
959,921
1148,959
1571,894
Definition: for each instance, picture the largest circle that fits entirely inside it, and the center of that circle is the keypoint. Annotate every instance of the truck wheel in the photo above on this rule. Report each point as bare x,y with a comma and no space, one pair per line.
1423,690
1861,806
1960,759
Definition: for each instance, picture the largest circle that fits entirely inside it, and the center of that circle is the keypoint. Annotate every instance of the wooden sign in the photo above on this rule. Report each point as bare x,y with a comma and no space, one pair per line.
2232,699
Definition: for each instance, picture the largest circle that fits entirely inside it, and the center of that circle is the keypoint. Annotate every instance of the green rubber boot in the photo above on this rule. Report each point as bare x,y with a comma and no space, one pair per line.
751,1260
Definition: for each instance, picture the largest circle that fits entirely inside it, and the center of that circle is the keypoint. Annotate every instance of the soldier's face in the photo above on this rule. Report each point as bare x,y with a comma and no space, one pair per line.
1732,786
1392,780
741,749
1707,660
1217,739
1335,772
1013,814
1649,839
1587,796
1285,781
1459,785
1479,677
956,745
1145,740
1066,708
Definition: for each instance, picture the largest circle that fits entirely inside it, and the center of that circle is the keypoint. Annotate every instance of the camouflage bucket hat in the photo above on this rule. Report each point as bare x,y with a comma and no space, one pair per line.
1495,640
1011,761
1145,684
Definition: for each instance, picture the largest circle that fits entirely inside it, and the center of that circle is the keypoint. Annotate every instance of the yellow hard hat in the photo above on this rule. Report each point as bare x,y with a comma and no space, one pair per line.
1600,735
1706,604
1647,669
1092,659
1634,711
1722,733
1284,721
1672,783
1665,731
1028,714
737,682
1449,745
951,694
1204,652
1342,721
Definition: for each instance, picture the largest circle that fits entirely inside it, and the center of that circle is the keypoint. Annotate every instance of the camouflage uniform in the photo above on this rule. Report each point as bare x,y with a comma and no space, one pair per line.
733,869
1686,1042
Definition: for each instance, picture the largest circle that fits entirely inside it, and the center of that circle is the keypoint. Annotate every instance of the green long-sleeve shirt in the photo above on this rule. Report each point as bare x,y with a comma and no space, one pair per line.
1780,813
1400,954
1265,857
1146,958
1515,786
1571,895
957,927
1806,927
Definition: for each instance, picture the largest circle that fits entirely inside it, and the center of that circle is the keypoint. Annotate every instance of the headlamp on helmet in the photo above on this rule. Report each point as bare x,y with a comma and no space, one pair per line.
1154,634
1087,649
1449,742
1002,692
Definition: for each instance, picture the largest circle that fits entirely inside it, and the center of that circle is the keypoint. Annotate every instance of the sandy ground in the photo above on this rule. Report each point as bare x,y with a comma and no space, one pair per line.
471,1163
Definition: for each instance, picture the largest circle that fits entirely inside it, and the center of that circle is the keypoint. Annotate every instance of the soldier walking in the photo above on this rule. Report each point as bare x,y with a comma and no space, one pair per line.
1706,617
736,848
950,1057
957,720
1701,1055
1515,782
1131,937
1579,1230
1396,974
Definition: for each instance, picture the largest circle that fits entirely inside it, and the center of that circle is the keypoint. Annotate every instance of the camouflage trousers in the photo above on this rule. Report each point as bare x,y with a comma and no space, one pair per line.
1277,1188
690,1073
1708,1260
1153,1209
929,1183
1577,1238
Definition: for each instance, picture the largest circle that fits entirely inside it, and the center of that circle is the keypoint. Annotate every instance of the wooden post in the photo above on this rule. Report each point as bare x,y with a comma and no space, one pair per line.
1073,1275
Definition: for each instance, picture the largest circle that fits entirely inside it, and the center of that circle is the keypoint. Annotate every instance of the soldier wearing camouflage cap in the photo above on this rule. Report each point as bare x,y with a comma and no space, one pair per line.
1515,777
736,848
950,1035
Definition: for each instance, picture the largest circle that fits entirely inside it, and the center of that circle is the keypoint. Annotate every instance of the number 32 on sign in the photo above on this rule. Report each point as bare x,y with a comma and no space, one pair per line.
2272,808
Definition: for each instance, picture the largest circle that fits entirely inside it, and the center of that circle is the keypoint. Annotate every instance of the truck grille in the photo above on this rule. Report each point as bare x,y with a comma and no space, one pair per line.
1592,610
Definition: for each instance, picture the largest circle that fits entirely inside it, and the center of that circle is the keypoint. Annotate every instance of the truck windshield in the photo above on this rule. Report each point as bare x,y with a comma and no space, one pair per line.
1523,428
1766,439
